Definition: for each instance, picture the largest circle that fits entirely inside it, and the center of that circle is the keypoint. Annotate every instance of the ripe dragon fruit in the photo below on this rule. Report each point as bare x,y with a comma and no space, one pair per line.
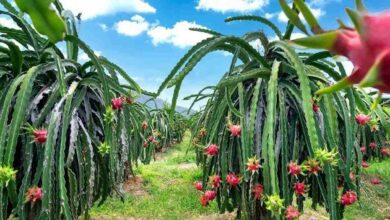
362,119
291,213
198,186
294,169
212,150
372,145
258,191
375,181
385,152
232,179
117,103
204,200
235,130
215,181
363,149
367,47
348,198
253,164
210,195
40,135
299,188
365,164
34,194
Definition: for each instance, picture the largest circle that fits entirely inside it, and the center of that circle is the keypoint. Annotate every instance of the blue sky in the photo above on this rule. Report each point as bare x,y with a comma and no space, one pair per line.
148,37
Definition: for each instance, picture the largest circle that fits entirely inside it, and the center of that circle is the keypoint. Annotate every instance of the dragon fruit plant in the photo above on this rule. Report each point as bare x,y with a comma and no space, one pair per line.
163,129
270,140
69,131
367,46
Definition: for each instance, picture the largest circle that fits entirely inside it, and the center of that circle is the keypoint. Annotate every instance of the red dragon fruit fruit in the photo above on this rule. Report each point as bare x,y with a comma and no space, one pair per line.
363,149
253,164
365,164
212,150
258,191
375,181
385,152
215,181
294,169
210,195
232,179
144,125
368,48
372,145
348,198
316,107
40,135
204,200
117,103
291,213
362,119
198,186
34,194
299,188
235,130
313,166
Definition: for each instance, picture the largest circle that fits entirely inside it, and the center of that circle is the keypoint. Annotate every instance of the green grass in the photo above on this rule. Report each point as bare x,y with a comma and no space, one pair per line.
375,199
167,190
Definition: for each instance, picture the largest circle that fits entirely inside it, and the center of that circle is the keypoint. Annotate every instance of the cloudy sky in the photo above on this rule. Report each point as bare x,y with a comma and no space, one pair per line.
148,37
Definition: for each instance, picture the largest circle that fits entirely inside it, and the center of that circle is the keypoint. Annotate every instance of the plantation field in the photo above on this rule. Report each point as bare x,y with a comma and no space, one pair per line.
164,190
273,125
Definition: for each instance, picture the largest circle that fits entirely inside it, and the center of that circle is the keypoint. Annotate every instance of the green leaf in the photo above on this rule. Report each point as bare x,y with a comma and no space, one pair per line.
356,19
360,6
319,41
310,18
258,19
45,19
292,16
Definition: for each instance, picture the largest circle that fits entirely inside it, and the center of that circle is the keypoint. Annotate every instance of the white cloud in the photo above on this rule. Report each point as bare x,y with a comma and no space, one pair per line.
322,2
226,54
83,57
94,8
133,27
179,35
317,12
8,22
231,5
104,27
297,36
256,44
348,66
270,15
